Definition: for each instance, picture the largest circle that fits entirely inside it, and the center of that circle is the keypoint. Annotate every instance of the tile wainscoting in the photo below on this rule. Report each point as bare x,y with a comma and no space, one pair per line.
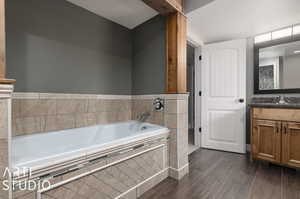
44,112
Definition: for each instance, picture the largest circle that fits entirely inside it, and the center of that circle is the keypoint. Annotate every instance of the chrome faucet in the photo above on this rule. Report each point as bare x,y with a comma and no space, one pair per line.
281,100
144,116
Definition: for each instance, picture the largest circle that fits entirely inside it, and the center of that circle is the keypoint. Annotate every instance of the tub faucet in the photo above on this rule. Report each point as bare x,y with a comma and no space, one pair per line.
144,116
158,104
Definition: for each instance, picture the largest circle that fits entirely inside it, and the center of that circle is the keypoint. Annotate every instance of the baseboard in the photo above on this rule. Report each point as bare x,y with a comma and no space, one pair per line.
177,174
248,147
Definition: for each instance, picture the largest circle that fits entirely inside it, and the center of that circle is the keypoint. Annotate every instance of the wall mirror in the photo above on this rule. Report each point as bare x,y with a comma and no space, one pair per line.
277,68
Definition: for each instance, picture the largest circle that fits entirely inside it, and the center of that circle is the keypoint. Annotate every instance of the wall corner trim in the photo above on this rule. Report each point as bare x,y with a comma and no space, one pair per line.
6,91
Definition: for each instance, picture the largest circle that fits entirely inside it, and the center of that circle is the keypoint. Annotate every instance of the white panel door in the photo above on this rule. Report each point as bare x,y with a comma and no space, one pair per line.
224,94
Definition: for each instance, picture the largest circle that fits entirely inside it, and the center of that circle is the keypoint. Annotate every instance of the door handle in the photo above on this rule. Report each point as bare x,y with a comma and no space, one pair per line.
241,100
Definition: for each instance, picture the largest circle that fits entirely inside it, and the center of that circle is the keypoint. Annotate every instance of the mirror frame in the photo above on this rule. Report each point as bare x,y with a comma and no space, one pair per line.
256,66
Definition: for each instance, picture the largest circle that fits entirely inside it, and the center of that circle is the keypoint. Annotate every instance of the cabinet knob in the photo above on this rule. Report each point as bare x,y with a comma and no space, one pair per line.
241,100
284,130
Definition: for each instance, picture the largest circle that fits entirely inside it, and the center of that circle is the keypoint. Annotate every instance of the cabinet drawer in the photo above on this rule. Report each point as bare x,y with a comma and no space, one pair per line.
276,114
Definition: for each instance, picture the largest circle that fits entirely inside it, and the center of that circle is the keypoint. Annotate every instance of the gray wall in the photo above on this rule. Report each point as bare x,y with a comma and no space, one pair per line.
148,72
55,46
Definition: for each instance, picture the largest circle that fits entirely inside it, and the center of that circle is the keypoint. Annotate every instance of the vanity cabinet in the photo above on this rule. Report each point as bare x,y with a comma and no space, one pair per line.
275,135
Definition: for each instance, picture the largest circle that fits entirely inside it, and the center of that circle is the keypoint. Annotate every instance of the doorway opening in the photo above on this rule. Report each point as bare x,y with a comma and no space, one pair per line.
191,77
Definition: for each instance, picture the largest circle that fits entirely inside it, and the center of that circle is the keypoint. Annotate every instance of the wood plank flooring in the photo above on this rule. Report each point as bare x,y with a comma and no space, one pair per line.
222,175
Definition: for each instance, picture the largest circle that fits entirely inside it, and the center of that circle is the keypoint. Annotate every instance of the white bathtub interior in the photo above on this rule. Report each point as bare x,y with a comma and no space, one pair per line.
32,151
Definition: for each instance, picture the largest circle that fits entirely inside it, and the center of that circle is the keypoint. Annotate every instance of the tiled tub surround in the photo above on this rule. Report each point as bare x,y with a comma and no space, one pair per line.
5,135
44,112
122,171
175,117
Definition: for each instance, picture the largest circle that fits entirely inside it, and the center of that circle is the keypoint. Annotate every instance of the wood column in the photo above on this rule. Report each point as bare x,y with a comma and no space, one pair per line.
176,37
176,53
3,79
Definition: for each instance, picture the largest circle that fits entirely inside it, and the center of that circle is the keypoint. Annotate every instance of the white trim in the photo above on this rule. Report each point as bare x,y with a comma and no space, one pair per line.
6,94
179,173
197,99
9,139
165,96
197,134
180,169
193,42
6,91
21,95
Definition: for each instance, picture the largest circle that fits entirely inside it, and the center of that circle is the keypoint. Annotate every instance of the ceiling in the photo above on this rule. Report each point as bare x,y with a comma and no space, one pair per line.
222,20
128,13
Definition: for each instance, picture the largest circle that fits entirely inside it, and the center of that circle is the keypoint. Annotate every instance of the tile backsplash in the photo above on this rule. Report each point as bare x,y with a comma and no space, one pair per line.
36,113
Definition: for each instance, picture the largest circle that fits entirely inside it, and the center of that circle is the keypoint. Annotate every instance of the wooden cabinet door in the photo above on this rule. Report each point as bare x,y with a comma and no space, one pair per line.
266,140
291,144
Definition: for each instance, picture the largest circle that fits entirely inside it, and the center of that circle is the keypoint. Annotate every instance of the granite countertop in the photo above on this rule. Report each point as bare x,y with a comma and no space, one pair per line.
272,102
274,105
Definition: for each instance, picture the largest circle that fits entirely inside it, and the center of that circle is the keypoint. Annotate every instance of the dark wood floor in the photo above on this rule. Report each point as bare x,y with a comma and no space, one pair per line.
221,175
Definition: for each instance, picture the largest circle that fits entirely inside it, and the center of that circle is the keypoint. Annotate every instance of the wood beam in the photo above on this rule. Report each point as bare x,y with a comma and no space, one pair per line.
165,7
176,53
3,79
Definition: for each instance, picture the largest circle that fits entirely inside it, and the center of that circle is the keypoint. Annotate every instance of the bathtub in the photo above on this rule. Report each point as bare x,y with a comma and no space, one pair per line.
42,150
